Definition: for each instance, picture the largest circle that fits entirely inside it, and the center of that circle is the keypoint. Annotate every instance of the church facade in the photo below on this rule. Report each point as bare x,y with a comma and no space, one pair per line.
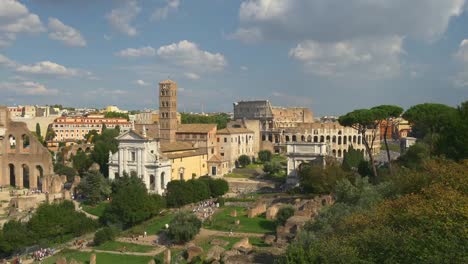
141,156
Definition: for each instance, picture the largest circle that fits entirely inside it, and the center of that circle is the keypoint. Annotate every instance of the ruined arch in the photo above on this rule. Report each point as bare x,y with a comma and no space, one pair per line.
334,139
345,140
339,153
322,139
303,138
294,138
315,139
39,176
12,141
359,140
334,153
309,138
328,139
26,174
354,139
339,140
12,174
26,142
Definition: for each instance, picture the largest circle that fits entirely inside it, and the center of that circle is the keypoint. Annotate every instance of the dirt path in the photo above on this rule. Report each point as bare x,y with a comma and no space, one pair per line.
211,233
78,209
156,251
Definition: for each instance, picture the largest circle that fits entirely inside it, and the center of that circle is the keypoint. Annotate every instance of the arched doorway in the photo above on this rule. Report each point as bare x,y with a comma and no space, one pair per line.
152,183
39,177
26,183
163,183
12,174
294,138
315,139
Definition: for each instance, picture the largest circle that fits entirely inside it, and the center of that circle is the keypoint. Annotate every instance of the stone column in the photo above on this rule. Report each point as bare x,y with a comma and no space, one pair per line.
138,162
125,160
157,178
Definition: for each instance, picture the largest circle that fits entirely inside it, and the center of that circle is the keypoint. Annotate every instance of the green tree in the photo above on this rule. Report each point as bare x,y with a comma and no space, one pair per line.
453,139
103,235
273,167
38,130
352,158
116,115
415,156
390,113
264,156
130,204
94,187
61,169
184,227
244,160
220,120
50,135
365,122
284,213
428,120
81,162
317,180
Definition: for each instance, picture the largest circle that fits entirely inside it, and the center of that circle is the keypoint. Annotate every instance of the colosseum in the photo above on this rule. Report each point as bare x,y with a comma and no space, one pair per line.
279,126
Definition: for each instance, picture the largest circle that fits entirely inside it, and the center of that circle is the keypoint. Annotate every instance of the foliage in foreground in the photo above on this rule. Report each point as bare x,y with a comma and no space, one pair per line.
52,223
184,227
194,190
419,216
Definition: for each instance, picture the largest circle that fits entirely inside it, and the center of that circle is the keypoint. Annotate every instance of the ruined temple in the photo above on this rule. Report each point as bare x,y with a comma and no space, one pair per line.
24,161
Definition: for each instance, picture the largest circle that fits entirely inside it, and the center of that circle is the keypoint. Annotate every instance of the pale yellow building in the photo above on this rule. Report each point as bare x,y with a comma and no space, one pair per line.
187,161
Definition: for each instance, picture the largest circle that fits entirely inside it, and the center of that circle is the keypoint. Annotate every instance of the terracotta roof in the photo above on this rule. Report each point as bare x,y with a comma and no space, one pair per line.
152,130
195,128
232,130
184,154
216,159
176,146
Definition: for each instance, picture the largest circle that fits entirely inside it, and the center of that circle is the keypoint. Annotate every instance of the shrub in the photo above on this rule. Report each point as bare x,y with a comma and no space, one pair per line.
184,227
264,156
283,214
244,160
221,201
104,235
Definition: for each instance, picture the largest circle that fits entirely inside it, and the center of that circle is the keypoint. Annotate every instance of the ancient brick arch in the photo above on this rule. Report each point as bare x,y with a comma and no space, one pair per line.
26,163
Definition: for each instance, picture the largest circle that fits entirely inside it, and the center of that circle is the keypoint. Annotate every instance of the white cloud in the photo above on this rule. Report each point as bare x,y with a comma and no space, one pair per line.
15,18
461,78
324,20
192,76
50,68
364,58
68,35
26,88
122,17
7,62
247,35
188,55
142,83
135,53
163,12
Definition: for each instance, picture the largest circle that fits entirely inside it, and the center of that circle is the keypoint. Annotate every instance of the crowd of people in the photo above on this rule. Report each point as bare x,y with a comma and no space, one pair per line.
204,210
42,253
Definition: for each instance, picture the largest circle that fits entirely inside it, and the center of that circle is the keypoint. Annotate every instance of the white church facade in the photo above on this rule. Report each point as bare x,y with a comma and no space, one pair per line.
140,155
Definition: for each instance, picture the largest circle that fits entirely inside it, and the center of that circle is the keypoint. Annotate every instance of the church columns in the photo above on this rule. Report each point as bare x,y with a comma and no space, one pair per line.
121,161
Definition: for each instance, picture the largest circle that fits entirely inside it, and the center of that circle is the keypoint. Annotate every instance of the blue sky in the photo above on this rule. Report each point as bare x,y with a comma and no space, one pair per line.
330,55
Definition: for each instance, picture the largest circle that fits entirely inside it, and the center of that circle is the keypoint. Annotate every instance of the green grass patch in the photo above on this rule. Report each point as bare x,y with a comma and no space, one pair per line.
255,166
123,246
152,226
223,221
97,210
101,258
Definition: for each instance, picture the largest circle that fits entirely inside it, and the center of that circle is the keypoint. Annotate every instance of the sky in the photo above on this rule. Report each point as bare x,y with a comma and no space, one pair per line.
332,56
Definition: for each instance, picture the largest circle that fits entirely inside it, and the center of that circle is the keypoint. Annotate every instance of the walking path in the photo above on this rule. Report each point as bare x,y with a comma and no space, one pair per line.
79,209
158,250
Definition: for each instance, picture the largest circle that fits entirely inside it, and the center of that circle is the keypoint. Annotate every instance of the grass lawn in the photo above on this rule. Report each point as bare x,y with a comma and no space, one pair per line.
223,221
101,258
152,226
97,210
129,247
255,166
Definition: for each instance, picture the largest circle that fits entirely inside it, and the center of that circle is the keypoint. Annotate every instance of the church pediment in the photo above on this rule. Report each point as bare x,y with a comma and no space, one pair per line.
130,135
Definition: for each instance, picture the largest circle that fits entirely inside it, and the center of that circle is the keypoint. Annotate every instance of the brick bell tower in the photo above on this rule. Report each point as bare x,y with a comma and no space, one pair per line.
168,110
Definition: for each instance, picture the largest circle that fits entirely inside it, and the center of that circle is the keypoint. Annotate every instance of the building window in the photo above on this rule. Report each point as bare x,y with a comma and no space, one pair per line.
225,140
133,155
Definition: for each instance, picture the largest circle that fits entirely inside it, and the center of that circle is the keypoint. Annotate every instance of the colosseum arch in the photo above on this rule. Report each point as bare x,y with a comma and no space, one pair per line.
315,139
322,139
294,138
339,140
303,138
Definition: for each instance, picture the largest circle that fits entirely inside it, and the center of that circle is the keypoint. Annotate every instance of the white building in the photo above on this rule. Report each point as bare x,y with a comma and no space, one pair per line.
301,153
141,155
